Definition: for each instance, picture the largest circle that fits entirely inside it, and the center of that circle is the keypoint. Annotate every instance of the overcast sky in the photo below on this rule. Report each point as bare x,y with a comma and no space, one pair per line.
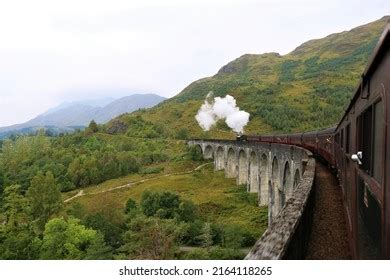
54,51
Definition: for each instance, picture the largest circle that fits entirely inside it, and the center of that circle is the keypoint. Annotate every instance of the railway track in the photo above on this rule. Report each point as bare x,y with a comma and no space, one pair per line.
328,239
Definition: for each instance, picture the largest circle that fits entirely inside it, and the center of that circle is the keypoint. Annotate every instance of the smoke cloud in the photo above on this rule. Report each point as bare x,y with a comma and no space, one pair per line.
220,108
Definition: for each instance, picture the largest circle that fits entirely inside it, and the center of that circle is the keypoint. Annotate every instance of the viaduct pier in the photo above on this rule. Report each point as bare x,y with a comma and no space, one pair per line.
283,176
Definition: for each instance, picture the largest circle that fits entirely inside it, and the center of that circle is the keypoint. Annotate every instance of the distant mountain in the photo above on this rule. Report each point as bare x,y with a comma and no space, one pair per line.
100,102
70,115
127,104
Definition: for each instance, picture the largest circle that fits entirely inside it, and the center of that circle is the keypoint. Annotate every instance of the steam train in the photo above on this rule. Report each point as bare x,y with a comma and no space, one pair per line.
358,150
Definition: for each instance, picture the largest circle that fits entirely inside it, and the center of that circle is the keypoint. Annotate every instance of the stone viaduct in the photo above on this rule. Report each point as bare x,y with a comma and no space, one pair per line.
275,172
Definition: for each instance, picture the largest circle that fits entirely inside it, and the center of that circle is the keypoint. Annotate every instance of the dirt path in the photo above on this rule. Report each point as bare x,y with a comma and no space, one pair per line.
82,193
328,239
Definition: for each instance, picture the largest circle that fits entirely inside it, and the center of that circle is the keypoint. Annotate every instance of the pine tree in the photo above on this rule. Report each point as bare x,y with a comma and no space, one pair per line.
93,126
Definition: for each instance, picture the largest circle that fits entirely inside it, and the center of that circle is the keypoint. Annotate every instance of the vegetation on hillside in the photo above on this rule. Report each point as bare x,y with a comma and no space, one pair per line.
306,89
181,208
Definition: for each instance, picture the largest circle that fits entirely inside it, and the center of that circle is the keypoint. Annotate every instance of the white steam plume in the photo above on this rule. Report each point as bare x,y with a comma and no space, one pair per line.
222,108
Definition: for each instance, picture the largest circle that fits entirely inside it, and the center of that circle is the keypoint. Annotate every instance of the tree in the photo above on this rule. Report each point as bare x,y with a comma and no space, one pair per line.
149,238
15,207
44,196
237,237
111,232
17,240
150,203
93,127
165,204
131,205
69,240
187,211
1,185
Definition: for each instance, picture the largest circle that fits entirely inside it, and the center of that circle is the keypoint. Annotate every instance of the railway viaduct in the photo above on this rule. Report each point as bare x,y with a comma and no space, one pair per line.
283,177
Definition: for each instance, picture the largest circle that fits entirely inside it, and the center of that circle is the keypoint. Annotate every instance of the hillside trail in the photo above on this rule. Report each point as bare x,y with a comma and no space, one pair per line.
82,193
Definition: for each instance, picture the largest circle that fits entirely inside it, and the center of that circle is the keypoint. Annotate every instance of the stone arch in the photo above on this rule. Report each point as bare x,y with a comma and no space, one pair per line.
286,191
275,173
219,159
275,181
263,193
254,183
231,170
208,152
297,178
199,150
242,168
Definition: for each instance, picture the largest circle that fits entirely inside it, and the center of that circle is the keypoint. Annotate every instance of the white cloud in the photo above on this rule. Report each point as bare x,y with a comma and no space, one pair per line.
48,48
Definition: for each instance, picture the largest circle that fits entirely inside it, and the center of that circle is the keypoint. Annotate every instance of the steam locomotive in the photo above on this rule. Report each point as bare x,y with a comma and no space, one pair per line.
358,149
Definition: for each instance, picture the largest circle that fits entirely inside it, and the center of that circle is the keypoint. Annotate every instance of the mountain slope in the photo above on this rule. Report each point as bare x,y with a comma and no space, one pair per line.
76,114
127,104
308,88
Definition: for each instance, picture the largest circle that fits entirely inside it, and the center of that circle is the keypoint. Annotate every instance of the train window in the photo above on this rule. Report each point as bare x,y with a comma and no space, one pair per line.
370,141
348,138
337,138
378,141
365,138
342,139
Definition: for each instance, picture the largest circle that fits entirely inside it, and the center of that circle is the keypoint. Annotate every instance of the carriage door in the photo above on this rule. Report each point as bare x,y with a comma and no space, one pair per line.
370,133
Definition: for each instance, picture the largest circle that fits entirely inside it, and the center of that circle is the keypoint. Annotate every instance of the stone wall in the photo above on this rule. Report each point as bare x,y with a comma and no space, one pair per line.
287,236
282,175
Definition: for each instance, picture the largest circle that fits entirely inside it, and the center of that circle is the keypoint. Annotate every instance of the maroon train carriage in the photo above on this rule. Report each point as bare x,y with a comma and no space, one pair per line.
253,138
363,161
310,141
325,146
281,139
267,138
359,149
295,139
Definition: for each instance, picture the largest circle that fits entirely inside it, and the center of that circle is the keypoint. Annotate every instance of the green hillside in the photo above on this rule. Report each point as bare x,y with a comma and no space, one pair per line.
306,89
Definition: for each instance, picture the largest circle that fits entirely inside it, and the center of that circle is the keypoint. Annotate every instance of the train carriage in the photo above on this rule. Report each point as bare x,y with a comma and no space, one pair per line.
254,138
281,138
295,139
268,138
310,141
325,147
358,149
363,160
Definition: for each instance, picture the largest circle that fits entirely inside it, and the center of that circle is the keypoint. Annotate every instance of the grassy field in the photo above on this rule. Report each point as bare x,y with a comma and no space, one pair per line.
219,200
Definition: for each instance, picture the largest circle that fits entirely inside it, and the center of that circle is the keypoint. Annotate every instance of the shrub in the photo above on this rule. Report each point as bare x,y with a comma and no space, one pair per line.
237,237
182,134
187,211
165,204
131,205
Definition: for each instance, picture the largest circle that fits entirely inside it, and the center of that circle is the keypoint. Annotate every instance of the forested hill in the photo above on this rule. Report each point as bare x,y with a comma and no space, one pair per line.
308,88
